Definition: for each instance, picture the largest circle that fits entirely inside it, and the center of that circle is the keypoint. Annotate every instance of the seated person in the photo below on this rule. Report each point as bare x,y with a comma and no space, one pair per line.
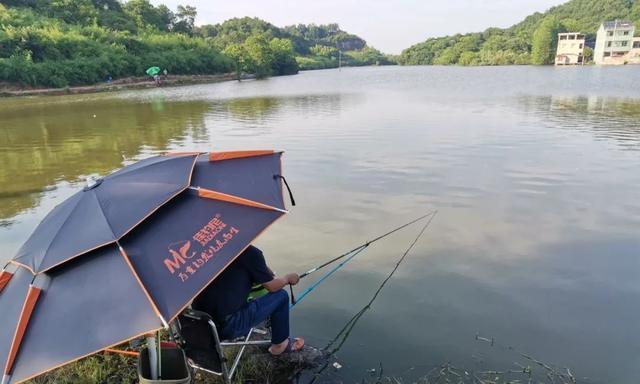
225,299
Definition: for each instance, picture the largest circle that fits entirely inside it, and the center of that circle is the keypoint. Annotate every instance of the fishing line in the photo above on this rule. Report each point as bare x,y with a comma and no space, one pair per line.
364,245
346,330
338,341
349,255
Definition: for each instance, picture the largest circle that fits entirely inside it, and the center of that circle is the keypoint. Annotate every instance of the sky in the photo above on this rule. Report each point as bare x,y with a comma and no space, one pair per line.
389,25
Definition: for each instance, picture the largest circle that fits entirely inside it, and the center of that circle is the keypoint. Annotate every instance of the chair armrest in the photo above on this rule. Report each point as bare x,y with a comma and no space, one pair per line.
196,315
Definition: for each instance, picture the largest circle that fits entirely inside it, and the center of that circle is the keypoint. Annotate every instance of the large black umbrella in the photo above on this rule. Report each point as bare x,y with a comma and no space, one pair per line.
125,256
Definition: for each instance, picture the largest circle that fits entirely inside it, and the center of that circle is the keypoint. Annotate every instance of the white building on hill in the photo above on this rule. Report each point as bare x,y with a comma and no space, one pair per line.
614,42
570,49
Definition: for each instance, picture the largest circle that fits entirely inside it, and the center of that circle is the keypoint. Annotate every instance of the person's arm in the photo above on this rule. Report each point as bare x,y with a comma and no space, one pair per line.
280,282
255,263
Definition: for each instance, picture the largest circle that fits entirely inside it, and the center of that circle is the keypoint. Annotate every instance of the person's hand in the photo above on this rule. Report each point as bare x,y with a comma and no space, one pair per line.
293,278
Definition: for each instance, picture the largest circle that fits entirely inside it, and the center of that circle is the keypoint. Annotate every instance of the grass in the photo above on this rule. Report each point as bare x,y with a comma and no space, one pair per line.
106,368
111,368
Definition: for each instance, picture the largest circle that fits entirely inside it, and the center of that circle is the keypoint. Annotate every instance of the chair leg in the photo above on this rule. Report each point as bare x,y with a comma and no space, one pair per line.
223,359
239,355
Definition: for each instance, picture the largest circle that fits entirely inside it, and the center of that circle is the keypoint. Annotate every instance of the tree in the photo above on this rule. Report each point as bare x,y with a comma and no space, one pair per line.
515,44
74,11
20,3
588,54
446,57
112,16
545,39
207,30
468,58
186,17
284,61
166,18
238,53
324,51
260,55
144,14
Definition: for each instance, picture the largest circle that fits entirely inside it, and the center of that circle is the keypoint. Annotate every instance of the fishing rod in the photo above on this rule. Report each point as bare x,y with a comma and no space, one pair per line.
349,255
364,245
338,341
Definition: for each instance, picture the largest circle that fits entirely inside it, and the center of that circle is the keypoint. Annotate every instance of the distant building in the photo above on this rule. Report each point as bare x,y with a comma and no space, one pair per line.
570,49
613,42
633,57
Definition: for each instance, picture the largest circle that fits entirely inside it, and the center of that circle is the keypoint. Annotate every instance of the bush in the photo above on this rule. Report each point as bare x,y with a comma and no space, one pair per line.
53,54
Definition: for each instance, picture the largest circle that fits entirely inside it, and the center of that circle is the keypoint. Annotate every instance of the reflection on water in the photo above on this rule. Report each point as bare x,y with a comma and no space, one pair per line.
607,117
255,115
534,172
43,144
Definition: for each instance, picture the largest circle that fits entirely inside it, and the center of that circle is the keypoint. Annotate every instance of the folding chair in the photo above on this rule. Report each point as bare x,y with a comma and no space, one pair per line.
197,334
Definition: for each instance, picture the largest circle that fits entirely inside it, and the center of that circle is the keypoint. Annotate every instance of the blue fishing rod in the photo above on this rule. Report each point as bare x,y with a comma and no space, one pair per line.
347,256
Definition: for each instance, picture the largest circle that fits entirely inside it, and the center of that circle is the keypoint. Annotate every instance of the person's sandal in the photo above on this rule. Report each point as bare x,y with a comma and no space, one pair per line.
290,345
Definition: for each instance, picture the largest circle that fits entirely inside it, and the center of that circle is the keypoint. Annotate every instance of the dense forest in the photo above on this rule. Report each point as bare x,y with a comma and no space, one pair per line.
58,43
532,41
314,46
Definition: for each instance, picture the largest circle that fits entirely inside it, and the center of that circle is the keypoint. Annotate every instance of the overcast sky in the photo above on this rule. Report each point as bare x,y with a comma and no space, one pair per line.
389,25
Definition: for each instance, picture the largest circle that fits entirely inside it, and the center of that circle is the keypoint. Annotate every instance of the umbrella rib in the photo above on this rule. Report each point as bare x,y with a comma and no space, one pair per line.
88,354
28,268
116,239
215,195
230,155
25,315
86,250
128,230
95,196
125,171
58,232
193,165
144,289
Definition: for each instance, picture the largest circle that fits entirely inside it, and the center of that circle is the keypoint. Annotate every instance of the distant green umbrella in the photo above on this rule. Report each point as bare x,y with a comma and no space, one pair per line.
152,71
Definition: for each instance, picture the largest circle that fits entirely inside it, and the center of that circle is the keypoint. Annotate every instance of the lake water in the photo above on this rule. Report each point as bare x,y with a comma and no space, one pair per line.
535,173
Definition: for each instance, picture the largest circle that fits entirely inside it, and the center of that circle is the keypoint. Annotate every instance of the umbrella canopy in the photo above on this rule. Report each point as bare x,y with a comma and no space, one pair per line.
152,71
126,255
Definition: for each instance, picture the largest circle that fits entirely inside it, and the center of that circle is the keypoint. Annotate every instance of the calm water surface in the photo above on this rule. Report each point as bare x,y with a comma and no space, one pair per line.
535,173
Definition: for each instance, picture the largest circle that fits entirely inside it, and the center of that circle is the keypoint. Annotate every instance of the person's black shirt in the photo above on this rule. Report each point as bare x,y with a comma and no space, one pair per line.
229,291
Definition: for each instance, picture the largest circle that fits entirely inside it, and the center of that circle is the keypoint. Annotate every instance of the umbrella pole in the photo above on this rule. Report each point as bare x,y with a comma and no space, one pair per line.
153,357
159,356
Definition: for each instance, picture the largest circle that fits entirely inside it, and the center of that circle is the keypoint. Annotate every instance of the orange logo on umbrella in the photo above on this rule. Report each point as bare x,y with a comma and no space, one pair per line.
180,256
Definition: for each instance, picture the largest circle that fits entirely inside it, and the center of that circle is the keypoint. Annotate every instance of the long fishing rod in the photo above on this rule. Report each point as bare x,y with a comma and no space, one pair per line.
338,341
342,336
364,245
349,256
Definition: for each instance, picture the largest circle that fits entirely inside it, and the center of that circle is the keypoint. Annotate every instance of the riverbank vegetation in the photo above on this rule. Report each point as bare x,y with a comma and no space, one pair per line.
60,43
532,41
312,46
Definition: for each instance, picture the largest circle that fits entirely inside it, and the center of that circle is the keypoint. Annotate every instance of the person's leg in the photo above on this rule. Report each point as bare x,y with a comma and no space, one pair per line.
257,311
280,318
274,305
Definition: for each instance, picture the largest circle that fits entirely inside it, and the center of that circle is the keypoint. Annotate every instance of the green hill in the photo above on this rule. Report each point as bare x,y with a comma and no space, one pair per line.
531,41
58,43
315,46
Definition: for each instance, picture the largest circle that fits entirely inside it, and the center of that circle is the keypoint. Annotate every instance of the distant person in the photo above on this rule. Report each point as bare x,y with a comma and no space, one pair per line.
166,73
109,79
225,299
156,78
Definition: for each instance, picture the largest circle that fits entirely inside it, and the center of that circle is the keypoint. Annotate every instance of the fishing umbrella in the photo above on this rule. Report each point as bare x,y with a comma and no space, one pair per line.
124,256
152,71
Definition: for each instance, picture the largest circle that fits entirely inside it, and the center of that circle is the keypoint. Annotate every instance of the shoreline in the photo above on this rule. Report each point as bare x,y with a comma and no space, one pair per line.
121,85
